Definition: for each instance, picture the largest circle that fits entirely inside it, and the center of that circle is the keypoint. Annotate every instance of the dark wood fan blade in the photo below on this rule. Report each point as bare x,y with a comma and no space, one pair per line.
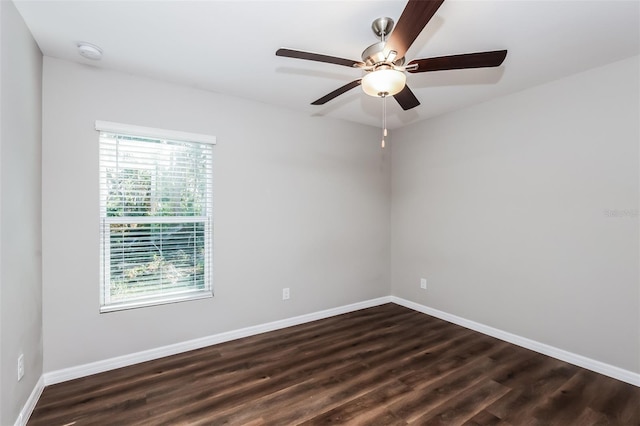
326,98
416,14
298,54
456,62
406,98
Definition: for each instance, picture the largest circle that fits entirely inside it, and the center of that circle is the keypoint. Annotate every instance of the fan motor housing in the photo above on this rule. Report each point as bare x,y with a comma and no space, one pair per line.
374,55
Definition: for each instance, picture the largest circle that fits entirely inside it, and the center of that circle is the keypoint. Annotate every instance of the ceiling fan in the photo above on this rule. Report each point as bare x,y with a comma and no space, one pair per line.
384,62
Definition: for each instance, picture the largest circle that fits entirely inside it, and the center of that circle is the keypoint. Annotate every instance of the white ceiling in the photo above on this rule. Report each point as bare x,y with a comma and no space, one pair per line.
229,46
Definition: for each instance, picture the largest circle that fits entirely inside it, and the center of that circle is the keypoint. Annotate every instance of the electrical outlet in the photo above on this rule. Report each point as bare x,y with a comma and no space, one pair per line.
285,294
20,367
423,283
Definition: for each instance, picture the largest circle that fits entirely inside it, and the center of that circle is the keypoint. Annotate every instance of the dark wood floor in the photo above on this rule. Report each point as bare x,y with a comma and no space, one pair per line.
386,365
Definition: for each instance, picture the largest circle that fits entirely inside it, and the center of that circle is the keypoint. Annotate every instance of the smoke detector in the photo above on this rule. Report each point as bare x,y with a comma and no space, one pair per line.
89,51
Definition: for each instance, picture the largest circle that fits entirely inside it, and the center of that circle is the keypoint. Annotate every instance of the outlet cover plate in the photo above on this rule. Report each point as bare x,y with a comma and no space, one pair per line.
423,283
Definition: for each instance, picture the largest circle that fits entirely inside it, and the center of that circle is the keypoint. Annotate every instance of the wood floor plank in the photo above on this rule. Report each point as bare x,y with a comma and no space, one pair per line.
618,402
307,365
569,401
449,386
348,381
366,408
465,405
386,365
484,418
531,383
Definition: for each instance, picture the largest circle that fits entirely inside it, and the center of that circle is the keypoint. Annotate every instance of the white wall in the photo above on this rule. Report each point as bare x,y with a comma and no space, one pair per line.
20,190
300,202
522,213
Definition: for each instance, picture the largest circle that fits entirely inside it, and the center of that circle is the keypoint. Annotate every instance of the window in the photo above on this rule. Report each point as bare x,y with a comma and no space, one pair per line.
156,221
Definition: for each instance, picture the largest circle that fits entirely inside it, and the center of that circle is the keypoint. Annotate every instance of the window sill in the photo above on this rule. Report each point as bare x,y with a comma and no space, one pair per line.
161,300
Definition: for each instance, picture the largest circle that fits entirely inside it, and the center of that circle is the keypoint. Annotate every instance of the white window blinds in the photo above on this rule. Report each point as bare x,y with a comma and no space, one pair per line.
156,201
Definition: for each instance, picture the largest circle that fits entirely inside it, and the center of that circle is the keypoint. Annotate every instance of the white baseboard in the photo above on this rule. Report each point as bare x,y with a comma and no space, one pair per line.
575,359
30,405
71,373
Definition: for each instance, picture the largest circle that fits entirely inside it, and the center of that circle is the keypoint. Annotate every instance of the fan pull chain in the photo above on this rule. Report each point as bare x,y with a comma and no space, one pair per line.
384,118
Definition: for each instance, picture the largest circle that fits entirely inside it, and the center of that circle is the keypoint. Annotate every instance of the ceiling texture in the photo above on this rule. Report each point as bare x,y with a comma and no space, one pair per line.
229,47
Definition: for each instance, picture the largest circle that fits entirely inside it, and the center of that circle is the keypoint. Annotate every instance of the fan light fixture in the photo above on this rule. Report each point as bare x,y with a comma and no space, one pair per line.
383,63
383,81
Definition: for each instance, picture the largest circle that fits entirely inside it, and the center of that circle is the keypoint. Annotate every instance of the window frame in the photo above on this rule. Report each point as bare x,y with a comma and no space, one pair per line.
128,130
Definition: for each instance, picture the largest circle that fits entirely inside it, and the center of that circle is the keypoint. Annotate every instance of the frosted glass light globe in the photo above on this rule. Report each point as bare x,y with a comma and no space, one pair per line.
383,81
